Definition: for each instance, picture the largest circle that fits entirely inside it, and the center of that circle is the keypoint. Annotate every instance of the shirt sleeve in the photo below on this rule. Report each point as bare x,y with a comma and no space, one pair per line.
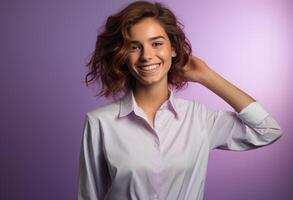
251,128
93,179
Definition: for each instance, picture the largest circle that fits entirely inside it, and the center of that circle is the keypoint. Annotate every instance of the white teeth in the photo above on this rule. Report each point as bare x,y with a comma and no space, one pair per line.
150,67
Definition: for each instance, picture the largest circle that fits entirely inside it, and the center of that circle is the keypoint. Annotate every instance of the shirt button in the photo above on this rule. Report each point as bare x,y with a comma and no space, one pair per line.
155,197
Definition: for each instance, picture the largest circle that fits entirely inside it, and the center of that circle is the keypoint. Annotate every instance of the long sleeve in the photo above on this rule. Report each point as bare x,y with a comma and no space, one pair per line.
93,177
252,128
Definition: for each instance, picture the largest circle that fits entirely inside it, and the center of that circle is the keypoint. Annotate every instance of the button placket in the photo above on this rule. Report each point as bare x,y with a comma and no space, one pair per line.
157,119
156,142
155,197
156,145
158,163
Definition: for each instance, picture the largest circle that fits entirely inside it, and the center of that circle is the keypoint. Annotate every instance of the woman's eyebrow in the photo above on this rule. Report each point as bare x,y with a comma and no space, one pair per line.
157,37
150,39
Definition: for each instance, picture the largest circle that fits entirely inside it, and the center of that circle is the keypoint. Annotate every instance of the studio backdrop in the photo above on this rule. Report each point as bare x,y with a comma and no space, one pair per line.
45,46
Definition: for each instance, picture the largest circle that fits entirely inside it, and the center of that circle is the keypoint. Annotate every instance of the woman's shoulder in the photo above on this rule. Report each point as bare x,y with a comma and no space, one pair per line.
186,103
193,104
104,110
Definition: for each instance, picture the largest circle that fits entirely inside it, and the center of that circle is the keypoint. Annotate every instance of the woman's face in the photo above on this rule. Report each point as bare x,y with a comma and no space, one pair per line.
150,53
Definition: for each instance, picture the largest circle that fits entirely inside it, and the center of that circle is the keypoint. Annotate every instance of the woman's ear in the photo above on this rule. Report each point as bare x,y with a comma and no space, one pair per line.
173,54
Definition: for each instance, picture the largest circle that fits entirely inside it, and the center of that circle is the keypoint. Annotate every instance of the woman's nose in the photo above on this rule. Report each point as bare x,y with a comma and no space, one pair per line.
147,53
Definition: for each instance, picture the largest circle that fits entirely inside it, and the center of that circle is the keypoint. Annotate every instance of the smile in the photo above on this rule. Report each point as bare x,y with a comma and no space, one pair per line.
149,68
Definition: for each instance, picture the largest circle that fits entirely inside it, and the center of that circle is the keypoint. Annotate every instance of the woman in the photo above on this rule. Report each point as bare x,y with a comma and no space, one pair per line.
148,144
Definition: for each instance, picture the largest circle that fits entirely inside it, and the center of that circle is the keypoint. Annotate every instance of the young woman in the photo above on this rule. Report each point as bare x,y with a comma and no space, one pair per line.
148,144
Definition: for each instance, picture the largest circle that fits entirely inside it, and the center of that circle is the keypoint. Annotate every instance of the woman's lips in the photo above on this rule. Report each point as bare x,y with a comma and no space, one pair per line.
149,68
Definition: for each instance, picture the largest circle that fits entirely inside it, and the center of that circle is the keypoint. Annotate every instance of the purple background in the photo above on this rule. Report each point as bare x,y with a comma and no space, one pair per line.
45,45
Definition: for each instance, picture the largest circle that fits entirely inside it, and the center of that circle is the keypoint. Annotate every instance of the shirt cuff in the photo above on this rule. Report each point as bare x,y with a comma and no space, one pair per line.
254,113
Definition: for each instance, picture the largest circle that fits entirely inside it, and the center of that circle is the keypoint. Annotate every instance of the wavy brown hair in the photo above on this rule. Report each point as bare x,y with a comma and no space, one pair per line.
108,62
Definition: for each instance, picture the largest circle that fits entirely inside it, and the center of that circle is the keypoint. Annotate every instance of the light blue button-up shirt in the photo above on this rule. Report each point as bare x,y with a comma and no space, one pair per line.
124,158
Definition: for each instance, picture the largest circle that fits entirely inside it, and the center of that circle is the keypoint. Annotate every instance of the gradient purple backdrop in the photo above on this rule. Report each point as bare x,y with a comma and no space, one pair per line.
45,45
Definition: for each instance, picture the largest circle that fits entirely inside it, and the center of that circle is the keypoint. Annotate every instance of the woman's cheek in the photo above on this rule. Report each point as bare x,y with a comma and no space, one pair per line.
166,56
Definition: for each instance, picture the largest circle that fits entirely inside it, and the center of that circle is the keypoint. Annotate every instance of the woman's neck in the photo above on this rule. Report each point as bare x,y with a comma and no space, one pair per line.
151,97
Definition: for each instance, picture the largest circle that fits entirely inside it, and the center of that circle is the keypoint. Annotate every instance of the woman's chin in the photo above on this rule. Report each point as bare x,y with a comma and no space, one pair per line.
150,81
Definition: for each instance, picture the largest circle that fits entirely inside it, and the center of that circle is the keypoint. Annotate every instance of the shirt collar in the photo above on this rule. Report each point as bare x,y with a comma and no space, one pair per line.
128,103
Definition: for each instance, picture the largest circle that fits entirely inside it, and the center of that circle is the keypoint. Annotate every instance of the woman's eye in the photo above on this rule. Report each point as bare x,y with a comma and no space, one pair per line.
157,43
134,47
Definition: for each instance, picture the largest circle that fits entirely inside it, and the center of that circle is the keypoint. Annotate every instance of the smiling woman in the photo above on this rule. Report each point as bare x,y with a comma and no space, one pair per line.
122,38
150,144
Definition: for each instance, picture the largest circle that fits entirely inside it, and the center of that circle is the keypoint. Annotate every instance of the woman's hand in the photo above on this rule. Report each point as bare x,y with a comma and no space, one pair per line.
195,69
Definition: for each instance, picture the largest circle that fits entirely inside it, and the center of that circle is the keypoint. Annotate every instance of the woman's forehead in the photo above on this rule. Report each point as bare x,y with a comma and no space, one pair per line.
147,29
